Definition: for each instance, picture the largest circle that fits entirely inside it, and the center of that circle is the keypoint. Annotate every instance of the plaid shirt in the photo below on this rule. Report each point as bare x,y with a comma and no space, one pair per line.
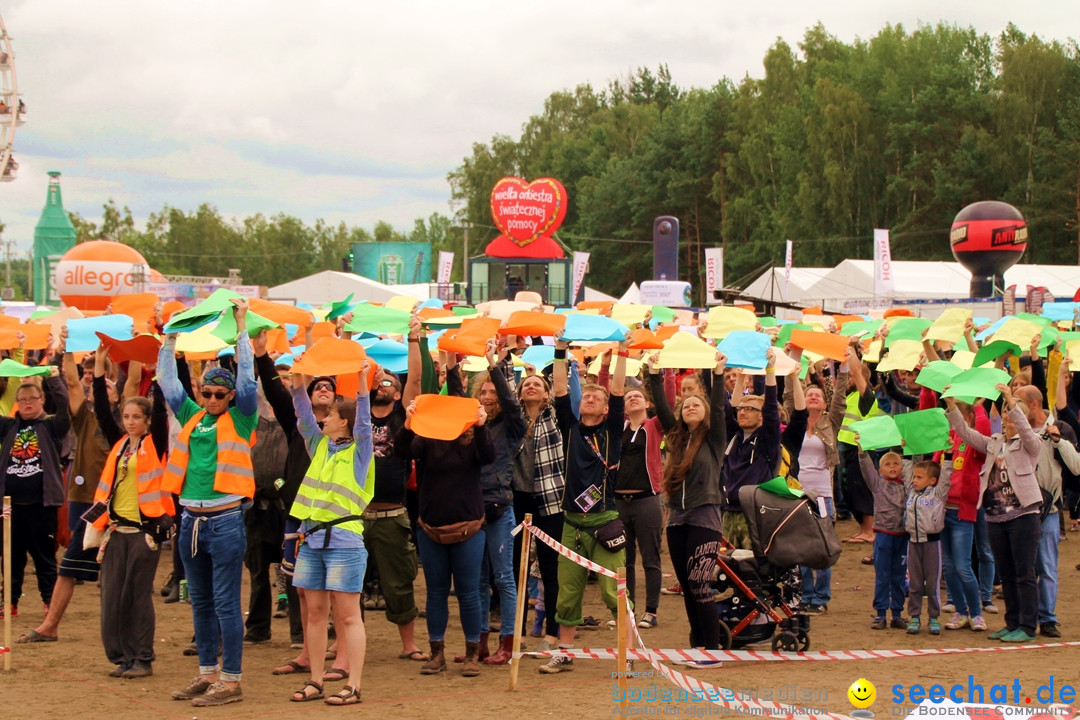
548,480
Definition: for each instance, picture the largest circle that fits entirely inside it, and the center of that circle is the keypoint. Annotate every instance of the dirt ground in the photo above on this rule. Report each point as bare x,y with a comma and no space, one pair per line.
69,678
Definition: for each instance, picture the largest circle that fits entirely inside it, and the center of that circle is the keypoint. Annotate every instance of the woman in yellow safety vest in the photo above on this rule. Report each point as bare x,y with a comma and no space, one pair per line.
332,559
137,515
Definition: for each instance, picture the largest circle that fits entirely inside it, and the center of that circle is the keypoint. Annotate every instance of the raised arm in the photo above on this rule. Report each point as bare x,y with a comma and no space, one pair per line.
76,393
664,411
167,379
838,405
159,421
277,395
968,434
105,420
717,406
305,418
247,396
560,379
412,388
618,381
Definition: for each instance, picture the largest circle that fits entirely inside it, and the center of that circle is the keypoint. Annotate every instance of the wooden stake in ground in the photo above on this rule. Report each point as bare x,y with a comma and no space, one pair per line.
621,629
522,596
7,582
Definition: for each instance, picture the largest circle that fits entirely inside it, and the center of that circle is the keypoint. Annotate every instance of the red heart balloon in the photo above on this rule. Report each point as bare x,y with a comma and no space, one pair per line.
525,211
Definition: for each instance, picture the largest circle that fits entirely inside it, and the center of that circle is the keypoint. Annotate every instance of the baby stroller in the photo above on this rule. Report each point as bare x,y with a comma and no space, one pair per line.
765,584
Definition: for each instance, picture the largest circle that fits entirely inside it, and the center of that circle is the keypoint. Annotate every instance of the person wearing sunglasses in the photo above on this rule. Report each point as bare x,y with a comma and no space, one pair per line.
210,469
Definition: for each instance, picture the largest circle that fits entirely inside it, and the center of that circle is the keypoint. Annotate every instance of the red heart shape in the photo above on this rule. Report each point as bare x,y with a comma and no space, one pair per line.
525,211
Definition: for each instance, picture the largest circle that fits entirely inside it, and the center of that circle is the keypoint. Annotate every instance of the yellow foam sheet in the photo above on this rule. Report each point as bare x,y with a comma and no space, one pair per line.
633,367
724,319
503,309
200,340
405,303
963,359
873,353
1073,349
950,325
902,355
684,350
477,364
1018,332
629,315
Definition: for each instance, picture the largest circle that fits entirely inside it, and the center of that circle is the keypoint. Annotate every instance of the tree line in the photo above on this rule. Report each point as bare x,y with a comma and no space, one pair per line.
899,131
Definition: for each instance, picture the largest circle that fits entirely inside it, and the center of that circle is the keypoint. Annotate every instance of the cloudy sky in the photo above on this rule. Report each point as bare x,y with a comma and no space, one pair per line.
356,110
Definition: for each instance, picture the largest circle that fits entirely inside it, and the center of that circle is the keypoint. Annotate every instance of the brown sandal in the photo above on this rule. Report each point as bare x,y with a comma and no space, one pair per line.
302,694
348,695
335,675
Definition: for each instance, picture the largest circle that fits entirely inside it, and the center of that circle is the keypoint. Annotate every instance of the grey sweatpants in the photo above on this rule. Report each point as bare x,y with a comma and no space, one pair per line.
924,573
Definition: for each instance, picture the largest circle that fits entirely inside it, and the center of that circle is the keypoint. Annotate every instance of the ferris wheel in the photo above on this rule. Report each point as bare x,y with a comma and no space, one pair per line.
12,109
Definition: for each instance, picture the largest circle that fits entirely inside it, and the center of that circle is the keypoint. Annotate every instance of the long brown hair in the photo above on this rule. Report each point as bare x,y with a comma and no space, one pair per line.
683,445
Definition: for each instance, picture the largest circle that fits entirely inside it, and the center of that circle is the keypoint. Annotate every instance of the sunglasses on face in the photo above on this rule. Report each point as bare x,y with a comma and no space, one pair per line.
220,395
323,386
386,383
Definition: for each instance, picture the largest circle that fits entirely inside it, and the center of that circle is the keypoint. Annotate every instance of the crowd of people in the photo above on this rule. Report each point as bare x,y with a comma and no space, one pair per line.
239,463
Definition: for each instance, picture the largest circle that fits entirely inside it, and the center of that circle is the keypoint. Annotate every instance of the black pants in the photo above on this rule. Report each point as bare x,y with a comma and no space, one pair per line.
33,532
127,607
1015,544
546,558
260,555
693,551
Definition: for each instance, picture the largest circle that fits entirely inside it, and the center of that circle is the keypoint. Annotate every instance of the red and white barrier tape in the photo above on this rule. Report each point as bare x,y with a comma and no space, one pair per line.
4,650
565,551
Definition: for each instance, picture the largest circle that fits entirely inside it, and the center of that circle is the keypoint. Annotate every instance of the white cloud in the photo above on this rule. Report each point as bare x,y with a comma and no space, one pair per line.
355,111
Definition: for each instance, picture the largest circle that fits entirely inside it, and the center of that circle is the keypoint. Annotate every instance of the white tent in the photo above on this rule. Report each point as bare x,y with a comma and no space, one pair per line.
330,286
772,286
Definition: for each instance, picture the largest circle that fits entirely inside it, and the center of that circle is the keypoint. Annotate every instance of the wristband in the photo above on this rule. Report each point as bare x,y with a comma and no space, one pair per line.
623,353
560,354
770,370
414,340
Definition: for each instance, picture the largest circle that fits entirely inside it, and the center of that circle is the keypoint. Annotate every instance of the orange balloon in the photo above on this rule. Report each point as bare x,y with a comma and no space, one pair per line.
91,274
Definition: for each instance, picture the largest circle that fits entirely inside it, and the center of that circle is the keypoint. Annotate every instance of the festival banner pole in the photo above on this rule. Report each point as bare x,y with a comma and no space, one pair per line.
7,582
523,591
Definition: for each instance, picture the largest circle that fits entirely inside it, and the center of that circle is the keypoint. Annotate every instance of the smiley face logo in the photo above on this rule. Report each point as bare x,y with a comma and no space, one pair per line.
862,693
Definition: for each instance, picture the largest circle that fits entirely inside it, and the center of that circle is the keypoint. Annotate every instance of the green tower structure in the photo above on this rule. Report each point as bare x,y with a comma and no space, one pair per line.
53,236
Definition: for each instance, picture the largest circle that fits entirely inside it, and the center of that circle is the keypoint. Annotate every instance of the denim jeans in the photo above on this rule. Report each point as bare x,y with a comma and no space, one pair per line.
1016,544
890,573
817,584
214,565
956,542
1046,567
987,565
462,561
499,560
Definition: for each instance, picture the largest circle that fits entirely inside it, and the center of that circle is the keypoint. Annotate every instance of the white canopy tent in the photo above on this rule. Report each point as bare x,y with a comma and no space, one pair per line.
330,286
772,286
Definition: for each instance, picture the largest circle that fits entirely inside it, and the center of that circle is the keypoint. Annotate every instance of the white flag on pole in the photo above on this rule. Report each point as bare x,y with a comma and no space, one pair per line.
883,277
446,263
581,264
714,274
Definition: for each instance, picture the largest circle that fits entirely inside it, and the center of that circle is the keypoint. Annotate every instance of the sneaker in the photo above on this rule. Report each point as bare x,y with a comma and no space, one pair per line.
544,646
675,589
816,609
958,621
14,611
191,650
120,669
998,634
194,689
173,596
1018,636
1050,630
557,664
648,620
978,624
253,640
218,694
912,625
879,623
899,623
949,608
934,626
991,608
282,609
612,623
590,623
